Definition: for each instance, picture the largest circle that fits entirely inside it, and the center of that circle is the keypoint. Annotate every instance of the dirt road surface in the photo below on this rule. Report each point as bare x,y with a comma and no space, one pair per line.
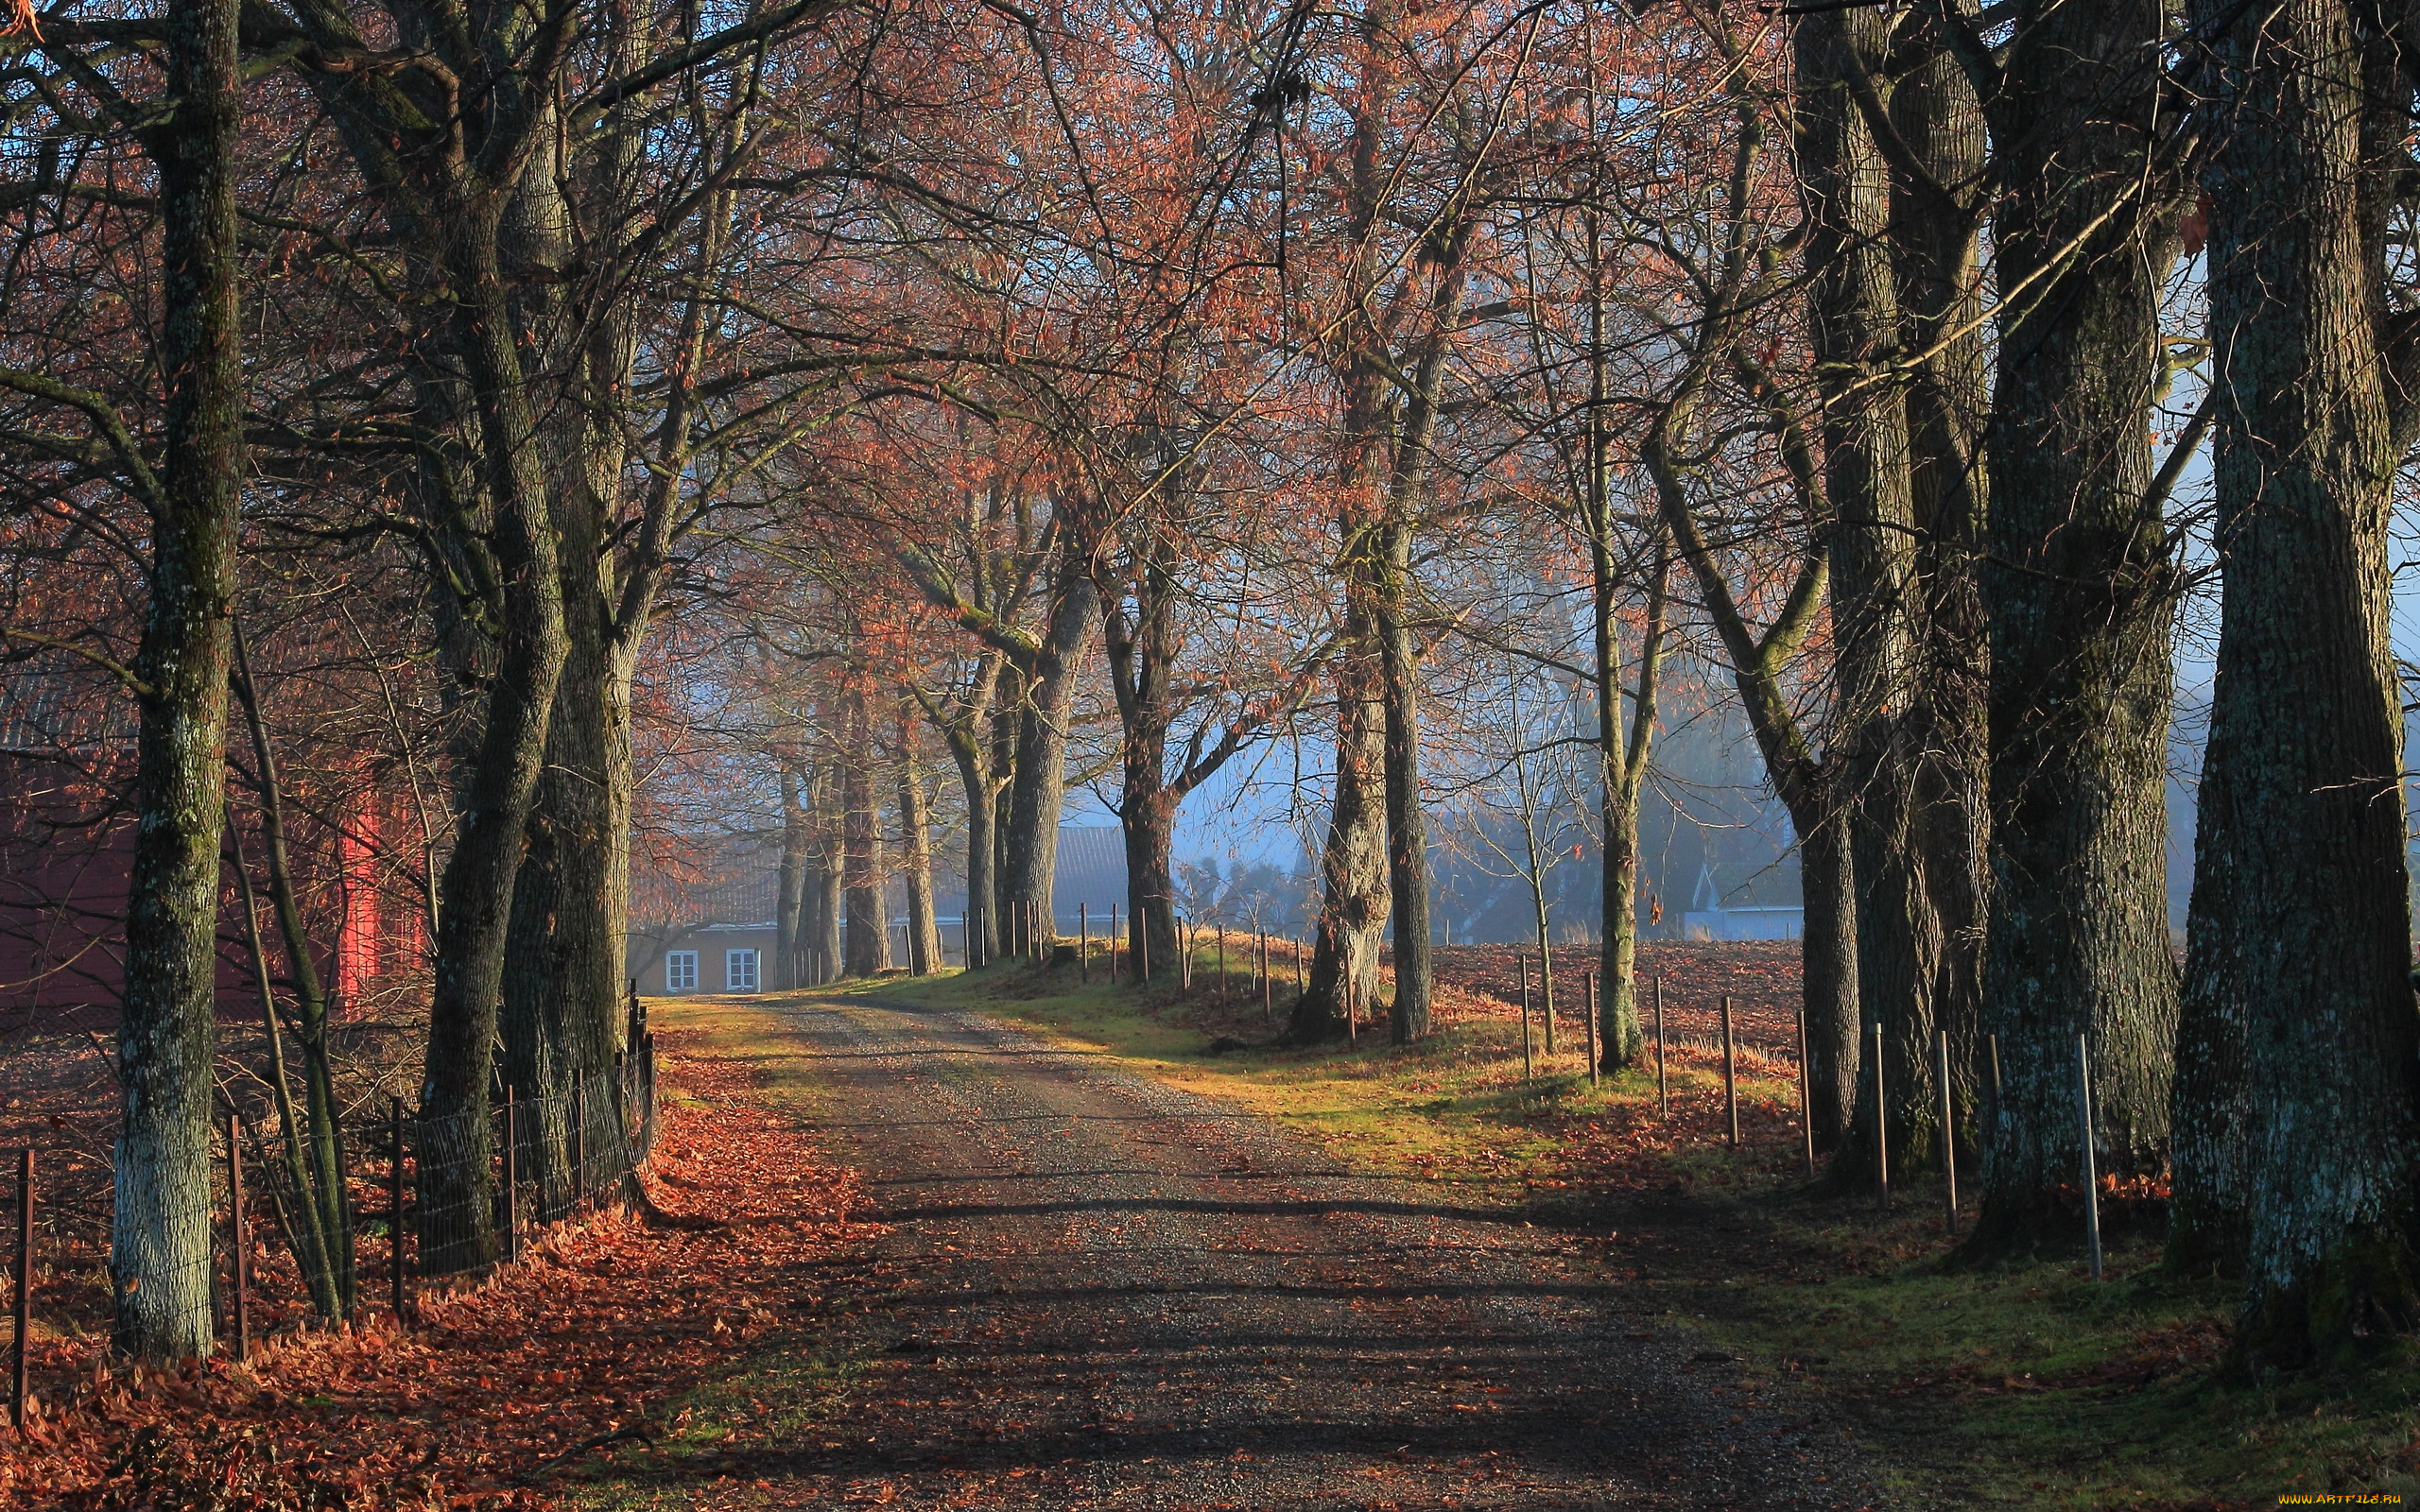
1104,1292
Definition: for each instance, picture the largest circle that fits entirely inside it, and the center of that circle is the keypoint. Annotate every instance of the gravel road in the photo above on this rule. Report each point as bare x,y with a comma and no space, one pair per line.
1103,1292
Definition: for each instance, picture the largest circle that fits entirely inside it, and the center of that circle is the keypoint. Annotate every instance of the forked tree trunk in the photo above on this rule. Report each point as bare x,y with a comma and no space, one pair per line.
2303,1077
1040,785
160,1239
1408,1015
2077,587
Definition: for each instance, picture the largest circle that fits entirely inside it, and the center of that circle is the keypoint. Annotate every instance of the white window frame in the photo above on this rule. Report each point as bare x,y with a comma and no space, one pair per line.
680,970
736,979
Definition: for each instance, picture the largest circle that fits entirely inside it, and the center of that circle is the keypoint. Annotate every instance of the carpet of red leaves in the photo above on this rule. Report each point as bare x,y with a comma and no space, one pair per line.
501,1385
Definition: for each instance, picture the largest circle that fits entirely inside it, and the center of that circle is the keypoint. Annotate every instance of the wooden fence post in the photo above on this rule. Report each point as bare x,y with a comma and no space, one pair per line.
1529,1067
1663,1081
1730,1076
1805,1103
511,1178
237,1239
1588,1005
25,1299
1948,1135
2091,1167
1881,1130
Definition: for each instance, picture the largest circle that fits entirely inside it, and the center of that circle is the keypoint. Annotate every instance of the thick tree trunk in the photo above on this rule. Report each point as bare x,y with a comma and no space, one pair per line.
2078,587
563,967
789,885
1828,989
2300,937
824,940
1354,894
457,1178
916,849
1934,235
981,937
1854,314
868,949
1408,1016
160,1241
1148,822
1040,785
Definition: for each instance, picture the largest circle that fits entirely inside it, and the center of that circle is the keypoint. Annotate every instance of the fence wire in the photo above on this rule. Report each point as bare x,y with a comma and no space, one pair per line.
411,1208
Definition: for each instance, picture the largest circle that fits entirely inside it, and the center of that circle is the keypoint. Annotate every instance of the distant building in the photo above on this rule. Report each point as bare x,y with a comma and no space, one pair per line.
718,932
1717,915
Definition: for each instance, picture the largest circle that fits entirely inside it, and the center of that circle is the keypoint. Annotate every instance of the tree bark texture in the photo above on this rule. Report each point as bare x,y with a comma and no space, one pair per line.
868,949
1853,315
1040,783
1935,226
1622,755
1828,989
1354,896
160,1242
1408,1015
789,884
916,863
2299,1079
2078,591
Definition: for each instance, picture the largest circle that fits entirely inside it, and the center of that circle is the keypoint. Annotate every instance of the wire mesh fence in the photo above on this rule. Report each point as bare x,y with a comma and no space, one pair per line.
415,1201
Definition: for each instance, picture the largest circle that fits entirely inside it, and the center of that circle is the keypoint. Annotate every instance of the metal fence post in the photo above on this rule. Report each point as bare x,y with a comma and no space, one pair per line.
2091,1169
579,1139
1084,934
1113,944
1588,1005
1663,1080
237,1239
395,1206
511,1178
1529,1068
1881,1130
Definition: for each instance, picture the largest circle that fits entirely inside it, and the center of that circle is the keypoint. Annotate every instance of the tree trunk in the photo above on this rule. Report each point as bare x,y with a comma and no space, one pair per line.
2300,935
1040,783
1935,225
1354,893
1621,777
1406,821
160,1239
325,1190
869,925
2078,589
1853,315
1829,990
789,885
916,848
562,967
1148,822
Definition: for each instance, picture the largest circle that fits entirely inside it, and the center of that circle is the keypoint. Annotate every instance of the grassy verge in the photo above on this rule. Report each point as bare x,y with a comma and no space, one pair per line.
2019,1385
